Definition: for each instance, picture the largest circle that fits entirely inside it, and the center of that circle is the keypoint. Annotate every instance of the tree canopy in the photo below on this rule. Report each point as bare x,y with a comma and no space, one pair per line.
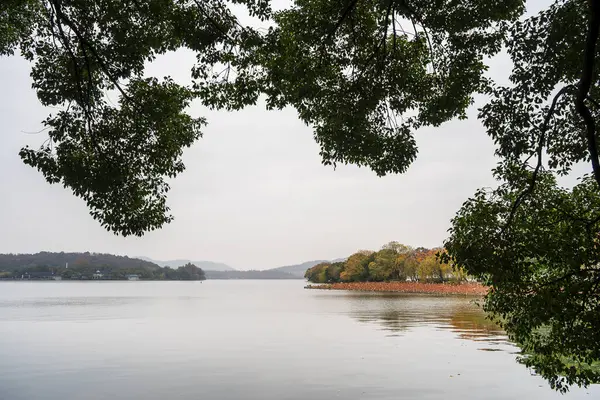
544,271
394,262
365,75
116,135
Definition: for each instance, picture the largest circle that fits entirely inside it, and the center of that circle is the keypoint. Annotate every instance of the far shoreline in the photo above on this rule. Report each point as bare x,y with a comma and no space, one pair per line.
467,289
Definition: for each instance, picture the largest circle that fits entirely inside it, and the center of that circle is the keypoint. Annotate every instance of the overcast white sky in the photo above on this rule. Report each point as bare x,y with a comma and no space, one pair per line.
254,194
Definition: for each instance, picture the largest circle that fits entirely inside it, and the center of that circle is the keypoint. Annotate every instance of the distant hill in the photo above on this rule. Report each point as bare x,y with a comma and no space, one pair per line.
268,274
89,266
93,261
14,262
205,265
298,270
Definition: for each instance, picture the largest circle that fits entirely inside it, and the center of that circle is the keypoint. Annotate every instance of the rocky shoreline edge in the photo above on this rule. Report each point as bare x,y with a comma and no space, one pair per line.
473,289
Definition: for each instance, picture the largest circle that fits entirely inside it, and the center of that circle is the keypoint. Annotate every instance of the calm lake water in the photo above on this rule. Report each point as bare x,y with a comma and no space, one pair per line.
251,340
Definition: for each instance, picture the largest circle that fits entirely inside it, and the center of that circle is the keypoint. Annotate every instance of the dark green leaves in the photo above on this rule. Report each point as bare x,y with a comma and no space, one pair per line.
535,243
366,74
543,268
547,52
115,153
118,167
16,18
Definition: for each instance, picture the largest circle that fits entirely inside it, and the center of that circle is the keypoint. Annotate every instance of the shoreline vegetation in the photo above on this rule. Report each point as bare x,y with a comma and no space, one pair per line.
467,289
393,263
394,268
48,266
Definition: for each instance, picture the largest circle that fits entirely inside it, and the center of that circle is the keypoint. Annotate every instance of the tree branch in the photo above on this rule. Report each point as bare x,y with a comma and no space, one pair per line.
67,45
378,45
538,167
413,14
394,29
349,8
212,20
385,30
579,272
84,42
585,83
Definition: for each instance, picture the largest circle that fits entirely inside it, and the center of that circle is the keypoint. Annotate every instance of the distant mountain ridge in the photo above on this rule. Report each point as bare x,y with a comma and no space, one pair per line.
216,270
213,270
252,274
295,271
298,270
205,265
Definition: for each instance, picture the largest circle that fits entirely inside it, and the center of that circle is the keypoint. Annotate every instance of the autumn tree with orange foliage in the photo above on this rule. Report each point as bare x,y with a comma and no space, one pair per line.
394,262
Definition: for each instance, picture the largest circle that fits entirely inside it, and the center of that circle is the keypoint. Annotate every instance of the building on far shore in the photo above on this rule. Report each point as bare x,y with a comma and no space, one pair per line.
41,276
133,277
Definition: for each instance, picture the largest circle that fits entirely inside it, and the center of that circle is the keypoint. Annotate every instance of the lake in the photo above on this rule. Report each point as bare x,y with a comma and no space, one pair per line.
251,340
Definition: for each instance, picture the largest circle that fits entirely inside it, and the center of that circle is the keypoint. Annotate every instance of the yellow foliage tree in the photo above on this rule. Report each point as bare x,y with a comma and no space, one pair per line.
356,267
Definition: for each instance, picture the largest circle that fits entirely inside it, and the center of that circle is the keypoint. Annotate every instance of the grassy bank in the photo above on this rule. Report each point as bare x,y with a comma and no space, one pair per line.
475,289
